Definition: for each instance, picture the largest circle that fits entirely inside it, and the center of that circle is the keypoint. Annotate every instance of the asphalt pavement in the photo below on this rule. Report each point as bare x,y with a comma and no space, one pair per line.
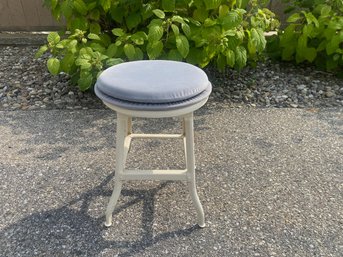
270,181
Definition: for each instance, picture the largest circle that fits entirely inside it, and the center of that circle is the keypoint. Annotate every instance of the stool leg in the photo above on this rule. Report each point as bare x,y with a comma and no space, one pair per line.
122,131
188,121
184,138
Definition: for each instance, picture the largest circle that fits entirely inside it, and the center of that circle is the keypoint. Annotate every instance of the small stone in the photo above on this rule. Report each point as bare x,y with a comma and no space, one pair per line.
329,94
71,93
16,106
304,91
58,101
301,87
294,105
33,107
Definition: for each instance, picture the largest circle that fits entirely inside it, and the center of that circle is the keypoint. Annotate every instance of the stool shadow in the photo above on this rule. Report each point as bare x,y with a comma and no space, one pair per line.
57,231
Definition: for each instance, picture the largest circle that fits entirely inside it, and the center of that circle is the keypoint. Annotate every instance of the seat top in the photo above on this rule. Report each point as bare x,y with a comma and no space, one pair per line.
129,105
153,81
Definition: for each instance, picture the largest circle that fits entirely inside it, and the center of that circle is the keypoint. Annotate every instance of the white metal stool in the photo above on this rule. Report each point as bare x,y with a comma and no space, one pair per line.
153,89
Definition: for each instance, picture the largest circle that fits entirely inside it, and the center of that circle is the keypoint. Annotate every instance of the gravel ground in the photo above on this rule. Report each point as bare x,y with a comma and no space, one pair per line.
26,84
270,181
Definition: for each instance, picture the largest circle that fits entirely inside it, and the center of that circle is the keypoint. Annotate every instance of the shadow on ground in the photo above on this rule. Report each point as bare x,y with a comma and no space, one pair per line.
40,233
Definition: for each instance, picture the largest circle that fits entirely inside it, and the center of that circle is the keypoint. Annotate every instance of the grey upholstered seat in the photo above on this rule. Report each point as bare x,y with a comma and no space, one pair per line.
153,85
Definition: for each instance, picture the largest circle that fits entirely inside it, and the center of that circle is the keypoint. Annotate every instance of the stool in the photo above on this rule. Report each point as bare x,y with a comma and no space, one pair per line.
153,89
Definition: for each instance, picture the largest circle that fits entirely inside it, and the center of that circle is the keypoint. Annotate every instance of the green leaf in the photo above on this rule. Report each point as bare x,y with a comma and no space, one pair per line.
302,42
244,4
53,66
155,33
294,17
232,20
212,4
159,13
93,36
310,54
85,81
325,10
91,5
223,10
154,49
336,24
210,22
111,50
238,3
83,63
333,44
118,32
311,19
106,4
95,15
196,56
98,47
80,7
258,39
139,54
221,62
113,61
41,51
67,63
178,19
182,45
230,58
186,29
174,55
53,3
200,14
241,57
229,32
288,52
168,5
80,23
129,51
175,29
117,13
139,37
133,20
53,38
94,28
67,9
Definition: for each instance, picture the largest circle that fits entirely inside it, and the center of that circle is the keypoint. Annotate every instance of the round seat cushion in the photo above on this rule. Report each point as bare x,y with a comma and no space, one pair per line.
152,82
153,106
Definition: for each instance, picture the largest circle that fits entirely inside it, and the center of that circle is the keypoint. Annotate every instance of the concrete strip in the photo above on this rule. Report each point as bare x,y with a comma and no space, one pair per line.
270,181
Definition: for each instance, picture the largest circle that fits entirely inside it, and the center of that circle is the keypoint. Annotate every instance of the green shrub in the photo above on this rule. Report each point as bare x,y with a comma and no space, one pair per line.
103,33
314,34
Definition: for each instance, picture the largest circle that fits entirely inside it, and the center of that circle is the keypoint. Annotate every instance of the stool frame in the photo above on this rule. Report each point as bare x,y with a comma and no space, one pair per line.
123,142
